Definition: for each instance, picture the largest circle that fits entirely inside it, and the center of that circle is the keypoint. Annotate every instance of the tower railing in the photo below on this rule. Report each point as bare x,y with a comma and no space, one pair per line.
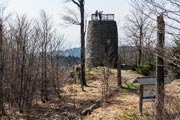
102,17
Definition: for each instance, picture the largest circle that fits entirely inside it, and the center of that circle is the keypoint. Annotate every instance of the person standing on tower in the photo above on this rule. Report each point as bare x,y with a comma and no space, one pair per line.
96,15
100,15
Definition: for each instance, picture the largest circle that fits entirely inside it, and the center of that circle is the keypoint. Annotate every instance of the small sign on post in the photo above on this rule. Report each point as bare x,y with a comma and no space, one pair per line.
149,93
148,89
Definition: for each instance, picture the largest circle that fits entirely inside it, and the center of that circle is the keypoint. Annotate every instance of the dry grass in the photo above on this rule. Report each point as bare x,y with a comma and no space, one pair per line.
122,105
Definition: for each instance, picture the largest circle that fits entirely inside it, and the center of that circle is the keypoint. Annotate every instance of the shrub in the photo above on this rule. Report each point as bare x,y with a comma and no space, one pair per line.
145,69
128,67
174,71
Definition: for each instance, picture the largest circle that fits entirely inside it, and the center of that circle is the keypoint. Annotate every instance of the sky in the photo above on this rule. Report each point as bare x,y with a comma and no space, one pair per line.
56,8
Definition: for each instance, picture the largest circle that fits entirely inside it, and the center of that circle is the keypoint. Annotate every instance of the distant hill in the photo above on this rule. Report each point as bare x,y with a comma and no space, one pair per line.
74,52
69,56
72,56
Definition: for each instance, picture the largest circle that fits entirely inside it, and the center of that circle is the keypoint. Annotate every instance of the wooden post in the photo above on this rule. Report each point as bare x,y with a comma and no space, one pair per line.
119,82
141,99
160,68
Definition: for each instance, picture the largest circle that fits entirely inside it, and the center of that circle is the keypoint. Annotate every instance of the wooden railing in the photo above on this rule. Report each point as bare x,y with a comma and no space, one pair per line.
102,17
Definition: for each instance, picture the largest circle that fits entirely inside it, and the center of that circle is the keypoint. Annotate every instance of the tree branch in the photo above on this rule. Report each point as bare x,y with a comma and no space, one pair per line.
78,4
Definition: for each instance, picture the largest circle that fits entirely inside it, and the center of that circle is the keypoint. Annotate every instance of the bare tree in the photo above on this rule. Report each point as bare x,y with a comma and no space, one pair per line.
45,27
2,112
74,20
108,61
171,11
139,30
55,65
21,39
30,65
2,60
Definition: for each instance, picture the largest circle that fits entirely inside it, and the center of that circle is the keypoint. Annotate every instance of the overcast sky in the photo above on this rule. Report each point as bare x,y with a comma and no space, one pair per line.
56,7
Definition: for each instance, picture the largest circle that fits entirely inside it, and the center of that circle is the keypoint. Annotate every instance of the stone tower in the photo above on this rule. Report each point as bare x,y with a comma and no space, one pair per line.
102,41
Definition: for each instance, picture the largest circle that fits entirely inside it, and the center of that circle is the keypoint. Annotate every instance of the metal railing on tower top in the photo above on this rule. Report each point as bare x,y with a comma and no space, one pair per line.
102,17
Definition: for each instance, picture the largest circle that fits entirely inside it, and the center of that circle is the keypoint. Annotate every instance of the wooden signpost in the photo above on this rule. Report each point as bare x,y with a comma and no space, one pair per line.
148,89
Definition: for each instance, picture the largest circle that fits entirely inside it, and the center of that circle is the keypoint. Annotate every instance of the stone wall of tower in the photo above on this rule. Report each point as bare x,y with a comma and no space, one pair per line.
102,43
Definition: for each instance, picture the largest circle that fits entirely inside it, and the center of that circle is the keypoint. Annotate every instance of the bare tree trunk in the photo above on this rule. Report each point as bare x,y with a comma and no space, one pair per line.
140,45
22,90
69,19
160,68
57,90
45,71
42,76
2,111
46,28
44,96
83,79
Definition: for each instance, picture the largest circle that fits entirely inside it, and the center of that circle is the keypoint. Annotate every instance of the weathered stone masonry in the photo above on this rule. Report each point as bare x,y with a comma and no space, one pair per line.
102,43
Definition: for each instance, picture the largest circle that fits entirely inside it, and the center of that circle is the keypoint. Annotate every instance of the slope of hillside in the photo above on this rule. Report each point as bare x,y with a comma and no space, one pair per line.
121,104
